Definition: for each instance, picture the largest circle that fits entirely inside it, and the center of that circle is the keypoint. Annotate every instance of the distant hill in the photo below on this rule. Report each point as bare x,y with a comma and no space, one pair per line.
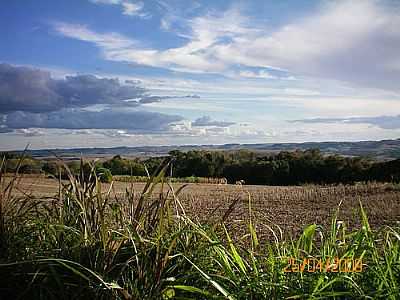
380,150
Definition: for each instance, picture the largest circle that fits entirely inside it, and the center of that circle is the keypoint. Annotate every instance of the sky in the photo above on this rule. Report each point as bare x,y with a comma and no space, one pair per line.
106,73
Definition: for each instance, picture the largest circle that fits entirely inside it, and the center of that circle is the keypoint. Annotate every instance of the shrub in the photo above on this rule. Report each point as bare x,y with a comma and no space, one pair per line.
104,175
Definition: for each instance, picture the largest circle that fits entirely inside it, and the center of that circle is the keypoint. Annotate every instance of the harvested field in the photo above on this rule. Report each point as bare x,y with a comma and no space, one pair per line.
290,208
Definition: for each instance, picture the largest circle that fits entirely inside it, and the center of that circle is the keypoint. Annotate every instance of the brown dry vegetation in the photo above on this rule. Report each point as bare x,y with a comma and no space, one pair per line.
289,208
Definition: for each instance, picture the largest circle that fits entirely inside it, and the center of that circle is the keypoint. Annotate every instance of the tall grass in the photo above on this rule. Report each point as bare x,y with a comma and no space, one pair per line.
87,243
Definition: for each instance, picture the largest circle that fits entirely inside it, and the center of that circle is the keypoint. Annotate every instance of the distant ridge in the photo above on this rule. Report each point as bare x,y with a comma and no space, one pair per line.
381,150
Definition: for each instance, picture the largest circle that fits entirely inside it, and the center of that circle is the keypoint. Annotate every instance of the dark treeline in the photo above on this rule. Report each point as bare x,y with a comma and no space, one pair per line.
284,168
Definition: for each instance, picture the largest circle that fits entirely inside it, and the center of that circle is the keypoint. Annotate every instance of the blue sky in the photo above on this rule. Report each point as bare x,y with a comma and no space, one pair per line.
121,72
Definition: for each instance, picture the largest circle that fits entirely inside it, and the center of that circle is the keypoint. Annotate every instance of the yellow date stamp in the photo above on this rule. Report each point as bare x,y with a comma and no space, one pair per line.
327,265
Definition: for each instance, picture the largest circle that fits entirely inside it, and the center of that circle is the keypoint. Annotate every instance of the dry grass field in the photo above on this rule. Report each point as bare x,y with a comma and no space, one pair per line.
289,208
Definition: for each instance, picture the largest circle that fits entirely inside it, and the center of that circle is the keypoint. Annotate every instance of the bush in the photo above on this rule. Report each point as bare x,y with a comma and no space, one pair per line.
104,175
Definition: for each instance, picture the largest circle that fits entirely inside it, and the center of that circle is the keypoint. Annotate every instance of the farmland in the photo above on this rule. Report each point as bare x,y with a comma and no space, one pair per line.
79,238
289,207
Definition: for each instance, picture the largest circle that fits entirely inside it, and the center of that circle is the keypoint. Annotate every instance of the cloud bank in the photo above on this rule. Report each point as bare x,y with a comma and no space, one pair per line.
142,121
384,122
34,90
31,98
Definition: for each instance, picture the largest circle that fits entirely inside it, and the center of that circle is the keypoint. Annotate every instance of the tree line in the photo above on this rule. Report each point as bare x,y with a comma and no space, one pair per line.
284,168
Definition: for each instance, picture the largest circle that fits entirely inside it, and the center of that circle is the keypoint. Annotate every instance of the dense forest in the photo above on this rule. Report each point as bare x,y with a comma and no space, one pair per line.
284,168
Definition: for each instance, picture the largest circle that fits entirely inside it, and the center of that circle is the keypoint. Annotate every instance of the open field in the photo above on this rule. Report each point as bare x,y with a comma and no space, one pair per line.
290,208
80,242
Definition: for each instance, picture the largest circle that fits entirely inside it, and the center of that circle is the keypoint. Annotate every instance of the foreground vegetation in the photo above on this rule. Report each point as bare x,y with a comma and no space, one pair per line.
85,243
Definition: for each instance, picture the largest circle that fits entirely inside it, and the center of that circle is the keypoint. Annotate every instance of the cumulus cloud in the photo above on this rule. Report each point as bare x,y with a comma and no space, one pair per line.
140,121
355,41
207,121
34,90
31,99
26,89
384,122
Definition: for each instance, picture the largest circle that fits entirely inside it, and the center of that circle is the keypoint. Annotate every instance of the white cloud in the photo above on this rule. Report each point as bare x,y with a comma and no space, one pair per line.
132,9
30,132
384,122
128,8
354,41
351,41
260,74
108,42
194,56
334,107
117,47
